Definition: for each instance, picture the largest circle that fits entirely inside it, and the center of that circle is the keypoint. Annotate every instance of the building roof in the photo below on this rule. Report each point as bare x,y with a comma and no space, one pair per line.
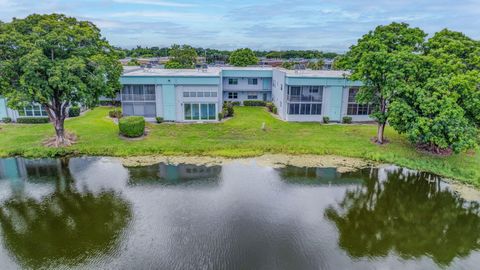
136,71
211,71
316,73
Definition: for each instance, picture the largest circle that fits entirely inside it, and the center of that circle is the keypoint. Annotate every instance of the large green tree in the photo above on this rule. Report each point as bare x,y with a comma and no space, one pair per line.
380,60
243,57
183,56
439,112
56,61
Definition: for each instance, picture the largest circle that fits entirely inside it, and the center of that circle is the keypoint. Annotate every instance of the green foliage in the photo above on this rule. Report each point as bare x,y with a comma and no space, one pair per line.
32,120
111,103
259,103
318,65
289,65
183,56
220,116
74,111
236,103
133,62
243,57
159,119
326,119
56,61
115,113
6,119
228,110
347,120
132,126
271,107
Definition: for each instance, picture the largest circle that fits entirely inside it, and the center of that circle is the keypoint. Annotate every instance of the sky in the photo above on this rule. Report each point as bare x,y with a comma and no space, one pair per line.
327,25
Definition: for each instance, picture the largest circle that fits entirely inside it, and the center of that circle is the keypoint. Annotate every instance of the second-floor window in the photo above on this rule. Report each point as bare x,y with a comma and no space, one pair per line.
252,81
138,92
232,81
353,108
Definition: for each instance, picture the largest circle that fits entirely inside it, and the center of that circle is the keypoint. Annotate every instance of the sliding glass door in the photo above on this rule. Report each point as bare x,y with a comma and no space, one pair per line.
199,111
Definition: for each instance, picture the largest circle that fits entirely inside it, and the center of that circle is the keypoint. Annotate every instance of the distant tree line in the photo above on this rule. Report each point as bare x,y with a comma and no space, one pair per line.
213,55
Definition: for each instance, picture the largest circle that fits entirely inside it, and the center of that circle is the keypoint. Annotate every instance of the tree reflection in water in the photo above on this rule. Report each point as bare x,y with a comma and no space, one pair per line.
65,227
408,213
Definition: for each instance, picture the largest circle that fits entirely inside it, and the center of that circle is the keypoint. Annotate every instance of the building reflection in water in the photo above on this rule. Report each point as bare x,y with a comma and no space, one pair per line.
318,176
166,174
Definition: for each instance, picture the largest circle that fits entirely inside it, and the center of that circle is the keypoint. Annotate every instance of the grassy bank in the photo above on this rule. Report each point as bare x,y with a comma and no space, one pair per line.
241,136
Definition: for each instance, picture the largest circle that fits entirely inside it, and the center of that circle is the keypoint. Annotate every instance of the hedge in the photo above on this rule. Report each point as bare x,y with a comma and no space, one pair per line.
159,119
115,103
32,120
7,120
132,126
74,111
259,103
236,103
227,109
326,119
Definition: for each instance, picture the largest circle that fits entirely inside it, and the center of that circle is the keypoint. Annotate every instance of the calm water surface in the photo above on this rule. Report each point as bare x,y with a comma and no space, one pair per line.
93,213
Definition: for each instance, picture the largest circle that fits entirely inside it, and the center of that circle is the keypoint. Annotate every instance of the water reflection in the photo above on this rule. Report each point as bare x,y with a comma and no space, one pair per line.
63,227
406,212
167,174
317,176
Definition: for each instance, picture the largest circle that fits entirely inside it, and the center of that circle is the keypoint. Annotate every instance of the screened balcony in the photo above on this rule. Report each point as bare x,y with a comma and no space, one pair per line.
305,94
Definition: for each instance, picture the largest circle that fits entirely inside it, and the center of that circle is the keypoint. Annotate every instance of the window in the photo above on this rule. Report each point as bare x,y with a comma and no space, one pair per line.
305,108
314,89
199,94
33,110
252,96
232,81
232,95
252,81
353,108
139,99
202,111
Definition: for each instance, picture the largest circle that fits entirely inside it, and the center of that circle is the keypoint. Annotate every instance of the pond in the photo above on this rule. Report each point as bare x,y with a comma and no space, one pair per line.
94,213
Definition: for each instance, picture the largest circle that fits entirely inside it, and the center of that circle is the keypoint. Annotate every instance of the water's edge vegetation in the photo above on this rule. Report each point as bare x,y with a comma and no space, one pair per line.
239,137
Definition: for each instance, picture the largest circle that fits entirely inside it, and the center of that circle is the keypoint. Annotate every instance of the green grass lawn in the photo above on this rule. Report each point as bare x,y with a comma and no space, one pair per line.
241,136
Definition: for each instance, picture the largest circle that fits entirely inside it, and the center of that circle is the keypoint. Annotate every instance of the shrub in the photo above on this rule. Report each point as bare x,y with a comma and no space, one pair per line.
271,107
260,103
326,119
6,119
74,111
159,119
132,126
228,110
32,120
115,114
347,120
220,116
114,103
236,103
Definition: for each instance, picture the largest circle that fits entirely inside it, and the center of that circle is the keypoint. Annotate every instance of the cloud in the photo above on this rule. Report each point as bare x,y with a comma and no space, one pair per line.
154,3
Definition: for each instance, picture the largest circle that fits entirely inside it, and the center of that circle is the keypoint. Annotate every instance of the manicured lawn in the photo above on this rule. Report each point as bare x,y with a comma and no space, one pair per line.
239,137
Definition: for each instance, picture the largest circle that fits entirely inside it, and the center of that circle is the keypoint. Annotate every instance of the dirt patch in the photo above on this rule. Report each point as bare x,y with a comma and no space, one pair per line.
342,164
70,139
467,192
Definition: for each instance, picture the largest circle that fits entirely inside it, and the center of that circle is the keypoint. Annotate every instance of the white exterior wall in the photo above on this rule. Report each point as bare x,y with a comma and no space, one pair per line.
243,95
242,84
179,89
159,100
279,93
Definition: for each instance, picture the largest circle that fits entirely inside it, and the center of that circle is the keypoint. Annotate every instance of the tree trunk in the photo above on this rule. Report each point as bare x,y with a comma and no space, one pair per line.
60,131
380,132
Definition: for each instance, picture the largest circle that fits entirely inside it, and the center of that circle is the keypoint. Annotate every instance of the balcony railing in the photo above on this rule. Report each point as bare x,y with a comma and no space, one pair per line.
301,98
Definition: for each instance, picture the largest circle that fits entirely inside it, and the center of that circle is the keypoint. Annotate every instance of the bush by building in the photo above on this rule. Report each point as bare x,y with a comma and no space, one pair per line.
132,126
32,120
159,119
347,120
115,114
74,111
326,119
6,119
259,103
228,110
